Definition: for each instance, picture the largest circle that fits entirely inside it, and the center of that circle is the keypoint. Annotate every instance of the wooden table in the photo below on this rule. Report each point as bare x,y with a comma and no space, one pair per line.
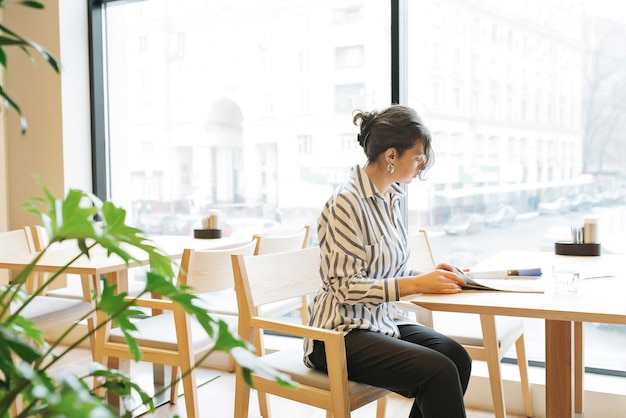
599,299
112,267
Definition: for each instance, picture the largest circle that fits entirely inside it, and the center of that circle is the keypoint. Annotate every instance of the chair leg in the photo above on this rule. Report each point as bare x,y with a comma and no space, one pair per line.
174,385
242,395
381,407
17,406
191,398
264,405
522,362
490,341
112,399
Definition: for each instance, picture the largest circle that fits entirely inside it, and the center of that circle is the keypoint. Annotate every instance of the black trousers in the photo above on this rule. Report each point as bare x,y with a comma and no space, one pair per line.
421,364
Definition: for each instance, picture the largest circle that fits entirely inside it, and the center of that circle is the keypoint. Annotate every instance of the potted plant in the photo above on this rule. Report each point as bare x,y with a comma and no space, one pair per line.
25,355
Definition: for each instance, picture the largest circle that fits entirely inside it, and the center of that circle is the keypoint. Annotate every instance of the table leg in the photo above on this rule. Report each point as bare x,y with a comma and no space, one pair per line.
559,369
579,368
490,339
119,278
89,283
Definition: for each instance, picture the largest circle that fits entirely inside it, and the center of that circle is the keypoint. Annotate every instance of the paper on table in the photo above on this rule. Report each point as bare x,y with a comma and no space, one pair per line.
519,284
513,274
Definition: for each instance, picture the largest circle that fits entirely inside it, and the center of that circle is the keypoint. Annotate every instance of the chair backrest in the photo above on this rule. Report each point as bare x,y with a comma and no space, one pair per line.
14,242
421,257
267,244
38,235
212,270
263,279
49,313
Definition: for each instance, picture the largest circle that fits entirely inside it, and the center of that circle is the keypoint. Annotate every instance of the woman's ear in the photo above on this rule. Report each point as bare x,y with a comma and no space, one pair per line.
390,155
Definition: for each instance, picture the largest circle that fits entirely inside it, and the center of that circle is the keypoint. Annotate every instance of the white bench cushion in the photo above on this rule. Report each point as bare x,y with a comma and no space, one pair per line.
158,331
52,312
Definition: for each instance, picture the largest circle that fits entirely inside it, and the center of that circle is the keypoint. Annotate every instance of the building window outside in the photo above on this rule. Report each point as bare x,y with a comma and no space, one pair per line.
349,57
241,102
305,144
348,97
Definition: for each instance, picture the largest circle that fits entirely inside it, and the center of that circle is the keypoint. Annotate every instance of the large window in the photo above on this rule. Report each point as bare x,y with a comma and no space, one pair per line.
246,106
240,106
523,99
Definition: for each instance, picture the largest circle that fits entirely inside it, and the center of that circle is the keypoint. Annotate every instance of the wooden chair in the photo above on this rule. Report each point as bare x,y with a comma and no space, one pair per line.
38,240
262,279
217,289
487,338
47,312
170,336
11,242
268,244
212,281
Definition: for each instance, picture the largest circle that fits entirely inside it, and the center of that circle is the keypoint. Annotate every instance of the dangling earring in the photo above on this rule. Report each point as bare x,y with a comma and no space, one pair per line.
390,168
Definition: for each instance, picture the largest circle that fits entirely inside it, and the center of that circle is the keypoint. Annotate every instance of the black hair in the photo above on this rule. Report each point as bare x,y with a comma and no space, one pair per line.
397,127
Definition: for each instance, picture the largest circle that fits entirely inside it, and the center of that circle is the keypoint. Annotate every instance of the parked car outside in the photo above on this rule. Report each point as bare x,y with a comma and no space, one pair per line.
558,206
247,227
168,224
581,201
465,223
503,215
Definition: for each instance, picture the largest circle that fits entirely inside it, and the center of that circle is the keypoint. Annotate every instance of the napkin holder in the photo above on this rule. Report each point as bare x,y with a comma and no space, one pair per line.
570,248
207,233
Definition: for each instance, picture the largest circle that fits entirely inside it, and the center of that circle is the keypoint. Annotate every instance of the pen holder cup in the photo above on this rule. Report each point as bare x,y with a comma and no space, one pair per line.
207,233
569,248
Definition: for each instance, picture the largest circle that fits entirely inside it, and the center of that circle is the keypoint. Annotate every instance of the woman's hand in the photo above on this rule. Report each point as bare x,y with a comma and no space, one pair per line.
444,266
440,280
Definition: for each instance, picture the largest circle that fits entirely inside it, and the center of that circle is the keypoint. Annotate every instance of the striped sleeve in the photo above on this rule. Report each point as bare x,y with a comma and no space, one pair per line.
349,248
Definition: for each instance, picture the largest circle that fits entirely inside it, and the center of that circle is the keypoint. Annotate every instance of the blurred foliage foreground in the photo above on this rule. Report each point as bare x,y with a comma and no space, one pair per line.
26,357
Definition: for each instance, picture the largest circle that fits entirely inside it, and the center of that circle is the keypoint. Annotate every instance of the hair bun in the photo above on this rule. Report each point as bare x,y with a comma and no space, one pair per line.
362,139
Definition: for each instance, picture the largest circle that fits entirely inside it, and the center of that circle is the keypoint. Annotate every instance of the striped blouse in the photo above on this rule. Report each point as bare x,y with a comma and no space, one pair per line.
362,254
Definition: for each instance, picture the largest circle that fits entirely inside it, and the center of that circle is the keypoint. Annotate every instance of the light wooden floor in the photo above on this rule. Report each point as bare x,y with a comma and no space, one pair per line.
217,398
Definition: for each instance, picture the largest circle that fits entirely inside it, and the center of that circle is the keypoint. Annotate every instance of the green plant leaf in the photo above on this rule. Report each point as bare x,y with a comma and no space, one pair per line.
12,104
6,41
250,361
15,40
33,4
72,398
226,341
116,307
121,385
26,43
14,336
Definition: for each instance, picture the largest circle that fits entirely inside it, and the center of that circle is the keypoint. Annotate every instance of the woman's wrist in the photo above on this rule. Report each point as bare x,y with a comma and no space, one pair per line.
408,286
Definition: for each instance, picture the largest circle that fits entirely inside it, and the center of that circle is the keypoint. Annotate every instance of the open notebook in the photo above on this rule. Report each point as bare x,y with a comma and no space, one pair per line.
507,281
